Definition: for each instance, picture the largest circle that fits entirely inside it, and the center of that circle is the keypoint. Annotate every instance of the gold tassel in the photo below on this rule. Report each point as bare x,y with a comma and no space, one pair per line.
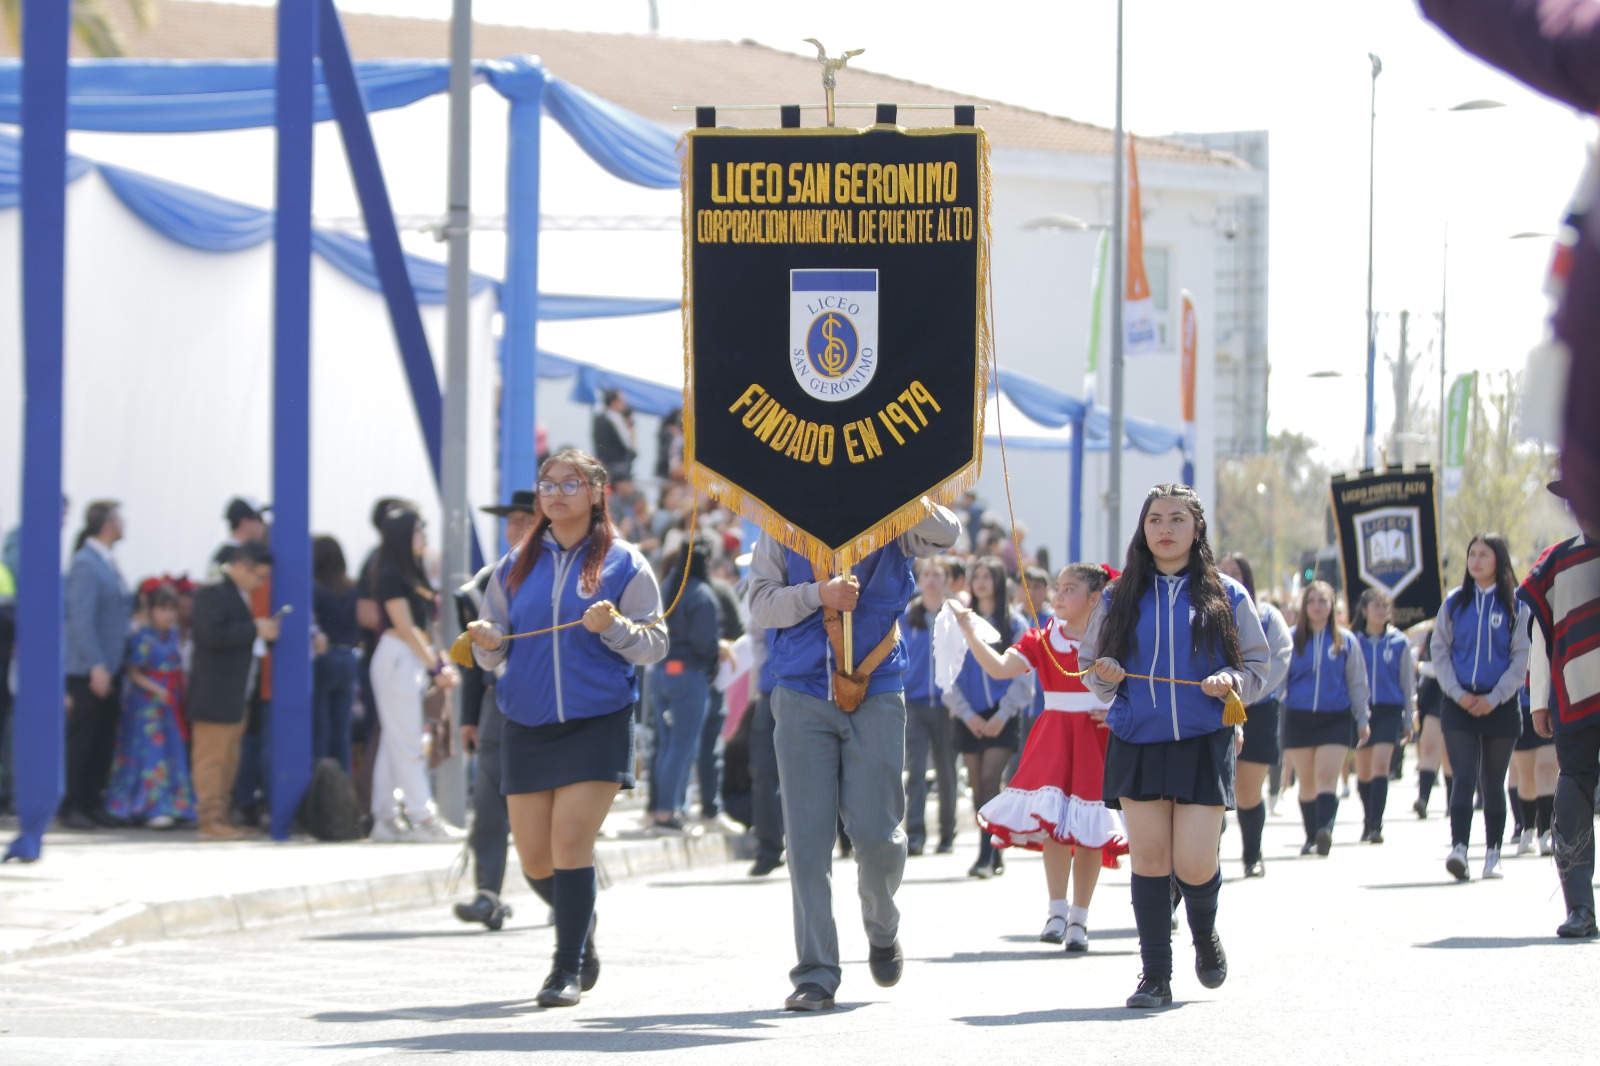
461,651
1233,710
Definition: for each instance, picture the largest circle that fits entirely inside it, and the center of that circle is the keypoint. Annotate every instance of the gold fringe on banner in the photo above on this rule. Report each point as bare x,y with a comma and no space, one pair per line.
747,504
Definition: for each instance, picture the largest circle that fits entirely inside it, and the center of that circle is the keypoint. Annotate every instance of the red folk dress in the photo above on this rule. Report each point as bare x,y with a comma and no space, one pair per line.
1056,793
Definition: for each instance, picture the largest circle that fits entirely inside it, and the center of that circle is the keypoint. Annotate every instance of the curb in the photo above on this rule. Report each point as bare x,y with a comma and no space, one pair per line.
134,922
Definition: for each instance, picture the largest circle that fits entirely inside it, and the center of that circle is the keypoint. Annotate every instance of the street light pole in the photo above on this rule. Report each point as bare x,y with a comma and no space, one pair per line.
1119,279
1370,449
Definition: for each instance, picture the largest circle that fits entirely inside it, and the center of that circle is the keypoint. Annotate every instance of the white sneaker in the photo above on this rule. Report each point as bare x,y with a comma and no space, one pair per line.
721,823
389,831
436,830
1491,864
1546,845
1525,842
1457,863
161,821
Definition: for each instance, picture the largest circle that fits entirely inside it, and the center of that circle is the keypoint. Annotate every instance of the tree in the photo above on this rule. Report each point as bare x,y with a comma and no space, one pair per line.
92,21
1272,507
1503,485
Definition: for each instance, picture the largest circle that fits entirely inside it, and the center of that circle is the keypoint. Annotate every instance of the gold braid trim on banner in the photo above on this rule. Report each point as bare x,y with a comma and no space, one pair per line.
745,503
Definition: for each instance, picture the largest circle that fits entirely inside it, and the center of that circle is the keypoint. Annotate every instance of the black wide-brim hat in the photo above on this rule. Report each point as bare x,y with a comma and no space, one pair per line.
523,501
1558,487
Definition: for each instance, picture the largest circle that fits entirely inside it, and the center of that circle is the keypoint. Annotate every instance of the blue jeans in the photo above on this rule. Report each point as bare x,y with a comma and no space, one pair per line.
708,764
333,693
681,702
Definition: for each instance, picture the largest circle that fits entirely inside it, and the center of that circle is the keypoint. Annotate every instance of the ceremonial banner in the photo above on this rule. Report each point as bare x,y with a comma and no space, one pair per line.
1139,309
835,327
1389,539
1097,300
1186,392
1458,430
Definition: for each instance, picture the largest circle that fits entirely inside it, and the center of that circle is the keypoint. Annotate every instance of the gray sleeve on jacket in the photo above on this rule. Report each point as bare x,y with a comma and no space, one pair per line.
957,704
1089,651
1408,683
937,532
1255,657
1444,667
1510,682
774,602
1355,680
80,615
644,642
1280,645
497,612
1018,697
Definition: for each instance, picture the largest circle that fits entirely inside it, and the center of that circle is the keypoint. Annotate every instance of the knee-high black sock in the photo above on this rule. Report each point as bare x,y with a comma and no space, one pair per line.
1153,915
1519,822
1378,799
575,891
1528,813
1308,815
1252,820
1364,790
1425,780
985,848
1544,807
1202,903
1327,809
543,887
1449,789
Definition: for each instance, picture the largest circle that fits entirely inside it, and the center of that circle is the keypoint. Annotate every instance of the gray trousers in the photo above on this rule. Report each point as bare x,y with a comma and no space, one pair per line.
928,734
832,764
490,823
764,803
1578,754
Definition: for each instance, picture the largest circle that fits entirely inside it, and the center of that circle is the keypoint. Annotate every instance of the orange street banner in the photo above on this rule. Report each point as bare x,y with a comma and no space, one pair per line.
1139,310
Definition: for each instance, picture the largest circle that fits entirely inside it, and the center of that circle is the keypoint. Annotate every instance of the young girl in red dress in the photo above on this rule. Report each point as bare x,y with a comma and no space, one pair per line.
1054,803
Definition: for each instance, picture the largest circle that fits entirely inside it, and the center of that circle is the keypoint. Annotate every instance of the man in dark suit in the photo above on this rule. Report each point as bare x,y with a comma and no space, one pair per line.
98,608
220,680
614,443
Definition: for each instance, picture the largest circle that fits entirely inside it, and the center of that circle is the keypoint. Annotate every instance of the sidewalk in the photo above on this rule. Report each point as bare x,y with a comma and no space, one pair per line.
118,886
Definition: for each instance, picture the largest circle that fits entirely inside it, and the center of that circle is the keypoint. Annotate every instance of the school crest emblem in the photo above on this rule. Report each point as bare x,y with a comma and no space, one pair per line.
1390,547
833,331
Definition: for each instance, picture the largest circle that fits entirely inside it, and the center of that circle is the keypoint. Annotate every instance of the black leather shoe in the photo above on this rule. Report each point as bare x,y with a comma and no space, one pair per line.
1308,847
1255,868
946,847
1210,961
1152,992
1376,837
809,997
981,870
104,818
76,819
914,848
560,990
763,867
589,969
1324,840
1578,926
887,964
485,909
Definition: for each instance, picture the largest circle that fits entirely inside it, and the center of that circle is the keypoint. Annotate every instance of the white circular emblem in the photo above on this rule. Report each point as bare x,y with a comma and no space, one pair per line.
834,364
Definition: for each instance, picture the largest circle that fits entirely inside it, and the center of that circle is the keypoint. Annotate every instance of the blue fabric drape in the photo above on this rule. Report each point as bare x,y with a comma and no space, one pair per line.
1049,406
11,170
627,146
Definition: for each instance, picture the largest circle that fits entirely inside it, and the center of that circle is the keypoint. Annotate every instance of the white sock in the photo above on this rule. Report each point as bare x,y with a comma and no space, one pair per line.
1058,908
1078,916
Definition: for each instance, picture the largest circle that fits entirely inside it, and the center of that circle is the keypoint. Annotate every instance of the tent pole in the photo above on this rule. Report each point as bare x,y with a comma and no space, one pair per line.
38,745
458,529
519,465
1075,496
291,413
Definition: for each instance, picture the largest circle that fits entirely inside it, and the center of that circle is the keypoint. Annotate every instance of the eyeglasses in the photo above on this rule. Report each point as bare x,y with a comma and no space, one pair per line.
569,487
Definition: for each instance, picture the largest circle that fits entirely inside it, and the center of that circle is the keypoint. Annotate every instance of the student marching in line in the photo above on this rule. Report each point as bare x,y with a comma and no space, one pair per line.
567,746
1326,691
1260,751
1392,692
1534,773
1170,758
1054,802
985,714
928,734
1431,756
1480,654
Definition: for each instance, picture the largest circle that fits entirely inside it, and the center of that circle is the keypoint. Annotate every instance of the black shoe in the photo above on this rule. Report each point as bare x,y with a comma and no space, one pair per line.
946,847
104,818
998,866
485,909
76,819
808,997
1152,992
914,849
981,870
589,968
1375,837
1324,841
560,990
1366,834
1255,868
1578,926
886,964
1210,961
1308,847
764,866
1421,809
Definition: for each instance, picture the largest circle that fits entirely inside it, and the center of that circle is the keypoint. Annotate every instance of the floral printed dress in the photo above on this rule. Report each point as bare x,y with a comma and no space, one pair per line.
150,778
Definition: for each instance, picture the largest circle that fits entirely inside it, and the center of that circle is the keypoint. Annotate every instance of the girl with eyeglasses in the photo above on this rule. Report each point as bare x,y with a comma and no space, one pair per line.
568,696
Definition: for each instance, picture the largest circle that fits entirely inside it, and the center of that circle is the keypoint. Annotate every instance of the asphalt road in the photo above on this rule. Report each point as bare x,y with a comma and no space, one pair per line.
1372,955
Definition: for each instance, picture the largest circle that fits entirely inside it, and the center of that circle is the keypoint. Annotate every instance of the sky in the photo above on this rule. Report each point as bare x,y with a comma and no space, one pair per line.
1297,70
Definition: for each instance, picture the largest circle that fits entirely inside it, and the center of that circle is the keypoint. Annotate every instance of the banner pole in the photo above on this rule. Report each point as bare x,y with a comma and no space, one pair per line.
849,633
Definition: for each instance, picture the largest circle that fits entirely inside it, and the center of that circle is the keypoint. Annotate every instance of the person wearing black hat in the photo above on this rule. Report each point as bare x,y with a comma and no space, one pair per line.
247,524
1562,592
482,725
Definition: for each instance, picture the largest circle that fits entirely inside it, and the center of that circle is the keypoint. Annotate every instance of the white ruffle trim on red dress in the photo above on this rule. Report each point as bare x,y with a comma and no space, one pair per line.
1016,818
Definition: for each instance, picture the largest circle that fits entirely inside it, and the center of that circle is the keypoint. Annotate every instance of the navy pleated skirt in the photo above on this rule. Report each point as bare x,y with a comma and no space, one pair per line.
1197,770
